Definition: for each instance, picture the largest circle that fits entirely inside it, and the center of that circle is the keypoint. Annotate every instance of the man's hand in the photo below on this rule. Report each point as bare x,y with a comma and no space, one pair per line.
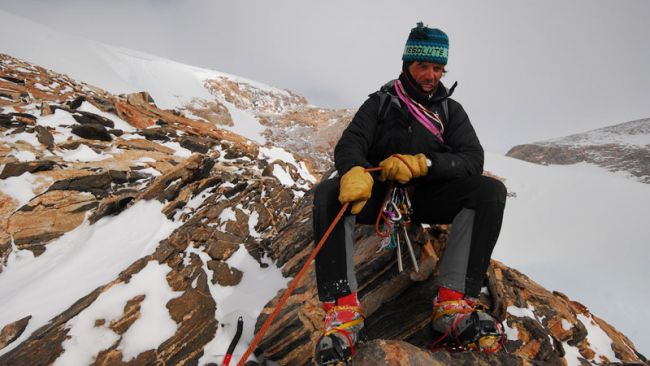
403,168
356,186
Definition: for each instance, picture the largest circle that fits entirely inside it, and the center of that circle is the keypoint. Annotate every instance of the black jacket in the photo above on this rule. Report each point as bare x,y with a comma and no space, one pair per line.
371,138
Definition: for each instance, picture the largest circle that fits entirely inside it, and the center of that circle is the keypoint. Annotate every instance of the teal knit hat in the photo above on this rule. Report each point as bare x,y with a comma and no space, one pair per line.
426,44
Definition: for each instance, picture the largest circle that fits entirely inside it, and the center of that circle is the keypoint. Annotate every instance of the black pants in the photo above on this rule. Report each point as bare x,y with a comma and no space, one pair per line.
473,205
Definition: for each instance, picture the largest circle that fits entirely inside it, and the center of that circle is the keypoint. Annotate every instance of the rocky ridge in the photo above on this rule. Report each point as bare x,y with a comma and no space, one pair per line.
621,148
291,123
87,155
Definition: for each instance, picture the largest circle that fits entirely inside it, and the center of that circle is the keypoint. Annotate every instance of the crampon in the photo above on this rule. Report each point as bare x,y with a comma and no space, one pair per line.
342,330
470,328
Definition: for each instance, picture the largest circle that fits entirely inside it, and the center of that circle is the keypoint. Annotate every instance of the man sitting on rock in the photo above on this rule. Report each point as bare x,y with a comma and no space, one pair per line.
422,138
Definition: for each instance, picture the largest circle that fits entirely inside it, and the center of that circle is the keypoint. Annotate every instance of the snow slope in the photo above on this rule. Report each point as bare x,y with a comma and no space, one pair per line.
583,231
119,70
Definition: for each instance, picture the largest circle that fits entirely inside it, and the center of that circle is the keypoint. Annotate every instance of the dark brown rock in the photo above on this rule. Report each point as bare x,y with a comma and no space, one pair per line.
12,331
112,205
46,110
220,245
18,168
76,102
24,118
97,184
223,274
116,132
92,131
44,136
13,80
197,144
167,186
91,118
131,313
154,134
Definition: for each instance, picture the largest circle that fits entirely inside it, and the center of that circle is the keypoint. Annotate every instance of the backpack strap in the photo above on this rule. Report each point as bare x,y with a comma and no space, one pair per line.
386,99
445,109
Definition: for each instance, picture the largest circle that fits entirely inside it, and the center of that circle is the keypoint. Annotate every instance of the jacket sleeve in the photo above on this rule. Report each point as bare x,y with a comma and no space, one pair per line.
465,157
354,144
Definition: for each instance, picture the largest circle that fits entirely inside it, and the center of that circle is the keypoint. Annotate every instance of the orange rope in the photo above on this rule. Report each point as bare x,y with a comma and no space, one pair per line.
294,283
400,157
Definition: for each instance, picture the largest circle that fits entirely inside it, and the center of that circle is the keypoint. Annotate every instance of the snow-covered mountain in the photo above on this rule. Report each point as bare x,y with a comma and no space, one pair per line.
143,225
621,148
250,108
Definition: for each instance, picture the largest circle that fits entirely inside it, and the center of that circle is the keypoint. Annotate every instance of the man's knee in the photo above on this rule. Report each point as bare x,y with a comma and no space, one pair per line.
326,192
491,189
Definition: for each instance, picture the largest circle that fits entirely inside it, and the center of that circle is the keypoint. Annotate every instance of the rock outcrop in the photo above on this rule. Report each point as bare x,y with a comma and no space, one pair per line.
620,148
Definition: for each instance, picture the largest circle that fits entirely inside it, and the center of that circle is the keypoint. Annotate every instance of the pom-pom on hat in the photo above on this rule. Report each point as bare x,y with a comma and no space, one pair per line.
427,45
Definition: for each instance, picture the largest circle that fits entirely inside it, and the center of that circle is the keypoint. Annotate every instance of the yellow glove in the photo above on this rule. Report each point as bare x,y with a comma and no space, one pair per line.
394,168
356,186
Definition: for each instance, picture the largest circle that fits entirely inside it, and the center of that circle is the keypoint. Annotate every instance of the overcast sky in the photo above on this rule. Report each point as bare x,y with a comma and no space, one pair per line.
527,70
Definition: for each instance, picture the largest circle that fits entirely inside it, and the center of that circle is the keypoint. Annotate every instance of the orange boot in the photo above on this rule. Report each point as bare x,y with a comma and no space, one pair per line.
463,324
343,322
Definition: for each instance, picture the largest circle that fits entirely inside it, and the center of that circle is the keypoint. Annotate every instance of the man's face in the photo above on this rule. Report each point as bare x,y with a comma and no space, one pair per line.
426,74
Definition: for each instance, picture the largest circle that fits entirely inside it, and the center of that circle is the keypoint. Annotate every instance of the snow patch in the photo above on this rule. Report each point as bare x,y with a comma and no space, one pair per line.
87,339
572,355
180,151
150,171
95,253
29,138
20,188
528,312
84,153
120,124
245,124
252,221
283,176
228,214
247,299
511,333
24,155
599,341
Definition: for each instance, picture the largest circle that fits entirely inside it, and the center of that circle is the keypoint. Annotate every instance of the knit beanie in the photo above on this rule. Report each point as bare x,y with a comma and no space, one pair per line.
427,45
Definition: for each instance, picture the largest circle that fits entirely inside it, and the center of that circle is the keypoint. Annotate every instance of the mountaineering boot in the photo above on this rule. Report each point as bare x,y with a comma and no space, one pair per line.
342,324
463,324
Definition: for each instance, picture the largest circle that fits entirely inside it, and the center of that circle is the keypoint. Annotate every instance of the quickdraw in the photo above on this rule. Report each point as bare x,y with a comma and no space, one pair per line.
396,213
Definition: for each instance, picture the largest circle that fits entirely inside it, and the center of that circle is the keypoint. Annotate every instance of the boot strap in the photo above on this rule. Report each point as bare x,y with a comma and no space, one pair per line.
349,324
451,307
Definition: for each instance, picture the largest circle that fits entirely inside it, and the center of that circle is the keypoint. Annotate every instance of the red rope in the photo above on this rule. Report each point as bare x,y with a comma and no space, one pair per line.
294,283
381,216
